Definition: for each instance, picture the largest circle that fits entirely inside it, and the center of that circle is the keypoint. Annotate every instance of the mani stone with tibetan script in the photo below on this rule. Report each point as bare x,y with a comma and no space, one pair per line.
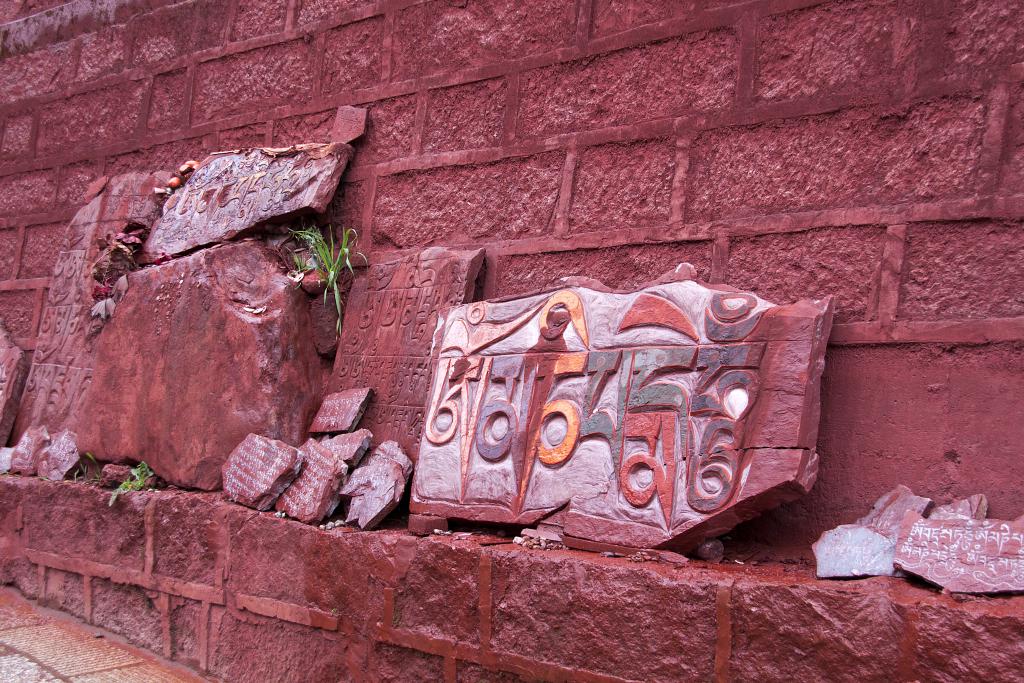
13,371
655,418
259,470
349,447
341,411
232,194
385,344
315,493
964,555
58,457
26,454
376,487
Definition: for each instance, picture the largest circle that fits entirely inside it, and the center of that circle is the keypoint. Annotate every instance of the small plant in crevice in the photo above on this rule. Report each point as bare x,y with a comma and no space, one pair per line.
329,259
136,481
87,469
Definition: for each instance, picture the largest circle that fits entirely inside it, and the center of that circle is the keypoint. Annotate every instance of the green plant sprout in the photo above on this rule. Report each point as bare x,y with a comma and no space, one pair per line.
136,482
83,469
330,260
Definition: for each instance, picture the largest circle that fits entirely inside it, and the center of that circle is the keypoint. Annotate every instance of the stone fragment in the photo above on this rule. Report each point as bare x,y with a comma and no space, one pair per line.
341,411
867,547
259,470
963,555
376,486
13,372
59,457
972,507
315,493
234,194
656,418
349,448
62,363
113,474
5,459
349,124
219,348
25,457
711,550
385,341
425,525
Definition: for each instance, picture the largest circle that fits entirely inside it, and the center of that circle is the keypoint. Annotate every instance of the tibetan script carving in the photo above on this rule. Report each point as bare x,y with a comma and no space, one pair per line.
655,418
230,194
386,336
963,555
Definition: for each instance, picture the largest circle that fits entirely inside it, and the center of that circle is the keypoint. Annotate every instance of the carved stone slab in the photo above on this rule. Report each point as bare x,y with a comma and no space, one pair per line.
655,418
25,456
316,492
391,314
259,470
971,507
376,487
62,364
341,411
963,555
201,351
350,448
58,457
13,371
232,194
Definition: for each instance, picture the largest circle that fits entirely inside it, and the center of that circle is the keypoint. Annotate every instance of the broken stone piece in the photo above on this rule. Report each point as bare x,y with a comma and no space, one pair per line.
113,474
225,319
25,457
349,124
58,457
963,555
315,493
259,470
349,448
5,459
231,195
867,547
376,486
13,372
341,411
425,525
972,507
711,550
656,418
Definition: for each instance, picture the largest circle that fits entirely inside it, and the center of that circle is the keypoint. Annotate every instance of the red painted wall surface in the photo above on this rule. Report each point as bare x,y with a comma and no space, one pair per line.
873,149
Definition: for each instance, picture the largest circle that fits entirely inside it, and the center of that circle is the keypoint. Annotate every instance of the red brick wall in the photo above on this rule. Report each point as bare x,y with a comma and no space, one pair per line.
250,597
873,149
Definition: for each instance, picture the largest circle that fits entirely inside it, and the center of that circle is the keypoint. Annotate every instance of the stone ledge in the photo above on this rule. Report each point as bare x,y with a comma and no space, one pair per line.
478,602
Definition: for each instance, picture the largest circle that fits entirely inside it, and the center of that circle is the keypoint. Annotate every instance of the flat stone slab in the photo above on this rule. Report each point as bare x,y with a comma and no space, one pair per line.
376,487
259,470
219,349
341,411
972,507
13,373
963,555
657,417
232,194
59,457
867,547
392,311
316,492
350,447
26,454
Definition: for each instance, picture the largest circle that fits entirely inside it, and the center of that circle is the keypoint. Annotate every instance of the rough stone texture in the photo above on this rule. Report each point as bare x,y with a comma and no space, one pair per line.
928,150
972,507
389,131
690,74
37,249
963,270
544,402
259,470
612,16
440,592
350,447
385,344
508,199
465,116
26,454
225,317
230,195
13,372
167,106
316,492
188,536
954,645
377,485
109,114
341,411
963,555
352,56
62,365
868,546
59,457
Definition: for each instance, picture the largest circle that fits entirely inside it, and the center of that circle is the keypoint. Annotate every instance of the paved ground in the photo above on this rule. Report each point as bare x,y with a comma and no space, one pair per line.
38,645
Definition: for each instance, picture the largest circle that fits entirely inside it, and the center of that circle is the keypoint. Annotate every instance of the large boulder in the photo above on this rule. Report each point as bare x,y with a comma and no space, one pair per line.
201,352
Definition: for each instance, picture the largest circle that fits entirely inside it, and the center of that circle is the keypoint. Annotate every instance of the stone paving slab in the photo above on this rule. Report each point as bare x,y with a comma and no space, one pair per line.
38,647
